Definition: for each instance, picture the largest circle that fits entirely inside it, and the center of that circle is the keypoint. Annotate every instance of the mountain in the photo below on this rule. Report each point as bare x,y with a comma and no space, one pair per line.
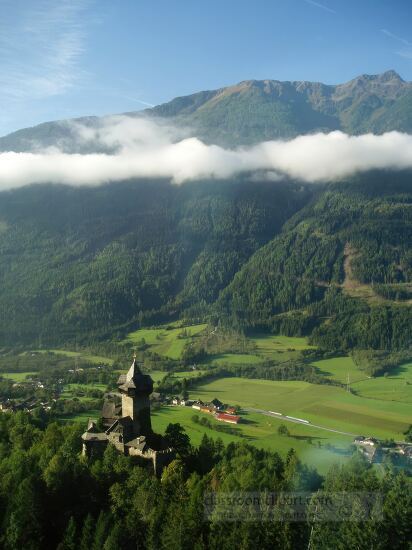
84,262
333,261
254,110
340,270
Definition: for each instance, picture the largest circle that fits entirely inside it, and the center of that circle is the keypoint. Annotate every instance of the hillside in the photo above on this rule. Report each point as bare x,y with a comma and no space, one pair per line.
331,261
340,268
88,262
254,110
76,263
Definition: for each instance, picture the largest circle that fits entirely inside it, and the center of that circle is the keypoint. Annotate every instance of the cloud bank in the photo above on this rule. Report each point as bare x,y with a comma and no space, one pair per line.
127,147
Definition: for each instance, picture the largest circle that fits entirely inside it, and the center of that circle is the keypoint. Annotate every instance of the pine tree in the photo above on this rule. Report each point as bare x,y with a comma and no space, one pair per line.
87,535
69,541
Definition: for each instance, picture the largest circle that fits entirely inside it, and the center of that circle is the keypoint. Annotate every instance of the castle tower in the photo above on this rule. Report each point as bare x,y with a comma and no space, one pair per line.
135,399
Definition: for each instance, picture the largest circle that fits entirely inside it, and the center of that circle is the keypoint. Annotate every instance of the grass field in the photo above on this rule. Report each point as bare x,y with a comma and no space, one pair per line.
97,359
70,391
267,344
325,405
84,387
338,368
235,359
157,375
188,374
82,417
313,446
397,386
165,340
17,376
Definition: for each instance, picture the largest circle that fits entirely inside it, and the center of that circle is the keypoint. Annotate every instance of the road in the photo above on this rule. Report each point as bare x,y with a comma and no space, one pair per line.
296,421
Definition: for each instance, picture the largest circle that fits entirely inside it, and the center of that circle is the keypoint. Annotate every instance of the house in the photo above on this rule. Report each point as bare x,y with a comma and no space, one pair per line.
197,404
216,404
230,418
230,410
361,440
206,409
6,406
175,401
186,402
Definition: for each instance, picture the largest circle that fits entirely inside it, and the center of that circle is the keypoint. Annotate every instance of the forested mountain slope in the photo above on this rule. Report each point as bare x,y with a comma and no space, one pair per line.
80,262
342,267
88,263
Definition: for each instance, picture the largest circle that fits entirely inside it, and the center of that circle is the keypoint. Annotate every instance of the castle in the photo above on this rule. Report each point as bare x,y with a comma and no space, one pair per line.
130,429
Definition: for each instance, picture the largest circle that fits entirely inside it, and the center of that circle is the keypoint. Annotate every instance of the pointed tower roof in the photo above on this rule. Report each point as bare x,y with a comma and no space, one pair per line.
135,379
134,371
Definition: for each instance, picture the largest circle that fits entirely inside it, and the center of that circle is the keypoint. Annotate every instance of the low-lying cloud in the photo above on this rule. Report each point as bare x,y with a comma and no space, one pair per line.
139,147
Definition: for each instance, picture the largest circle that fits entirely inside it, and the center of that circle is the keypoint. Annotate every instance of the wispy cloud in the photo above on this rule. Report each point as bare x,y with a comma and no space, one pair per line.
406,51
396,37
136,100
41,44
321,6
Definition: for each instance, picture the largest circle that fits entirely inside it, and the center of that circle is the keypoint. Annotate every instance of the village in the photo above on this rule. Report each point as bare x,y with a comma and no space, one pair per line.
219,410
375,450
49,396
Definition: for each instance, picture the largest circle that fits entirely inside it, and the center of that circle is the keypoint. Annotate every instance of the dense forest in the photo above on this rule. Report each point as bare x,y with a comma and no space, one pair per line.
323,268
88,264
51,497
79,262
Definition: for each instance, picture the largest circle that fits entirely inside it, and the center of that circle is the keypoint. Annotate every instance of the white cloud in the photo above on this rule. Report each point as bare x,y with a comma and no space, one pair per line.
141,147
39,57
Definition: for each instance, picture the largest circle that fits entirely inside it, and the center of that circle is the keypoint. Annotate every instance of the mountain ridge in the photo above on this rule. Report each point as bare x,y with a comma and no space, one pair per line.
258,110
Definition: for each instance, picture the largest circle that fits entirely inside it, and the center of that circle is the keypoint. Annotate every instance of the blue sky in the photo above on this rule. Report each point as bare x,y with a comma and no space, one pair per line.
67,58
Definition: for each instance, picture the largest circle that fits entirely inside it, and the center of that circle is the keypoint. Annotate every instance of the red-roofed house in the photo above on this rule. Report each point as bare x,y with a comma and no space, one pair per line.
231,418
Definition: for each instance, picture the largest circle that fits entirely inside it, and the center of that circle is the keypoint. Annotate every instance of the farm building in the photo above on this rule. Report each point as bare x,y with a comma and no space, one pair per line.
230,418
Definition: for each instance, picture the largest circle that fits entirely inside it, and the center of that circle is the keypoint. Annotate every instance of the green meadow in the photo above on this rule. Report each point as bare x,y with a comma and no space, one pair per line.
267,344
168,340
328,406
17,376
157,375
97,359
82,417
315,447
339,369
70,390
235,359
395,387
